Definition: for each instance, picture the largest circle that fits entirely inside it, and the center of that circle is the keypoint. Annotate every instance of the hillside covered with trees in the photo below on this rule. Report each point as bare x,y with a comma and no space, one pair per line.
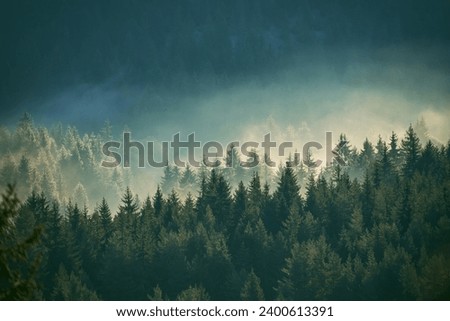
376,229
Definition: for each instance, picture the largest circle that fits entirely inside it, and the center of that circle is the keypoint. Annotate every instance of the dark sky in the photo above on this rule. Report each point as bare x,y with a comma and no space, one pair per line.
160,65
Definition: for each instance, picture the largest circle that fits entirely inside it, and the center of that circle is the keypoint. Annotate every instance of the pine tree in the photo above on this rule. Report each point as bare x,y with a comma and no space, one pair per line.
80,196
411,148
385,168
17,270
286,196
312,271
189,213
379,148
106,225
252,291
421,129
217,196
125,222
429,162
75,238
291,228
157,294
255,193
188,179
367,155
393,149
69,287
238,208
54,241
24,172
48,186
170,179
367,200
26,133
172,219
106,132
147,232
158,204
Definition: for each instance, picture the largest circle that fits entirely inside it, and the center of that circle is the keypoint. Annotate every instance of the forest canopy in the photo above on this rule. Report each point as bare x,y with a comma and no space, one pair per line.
376,229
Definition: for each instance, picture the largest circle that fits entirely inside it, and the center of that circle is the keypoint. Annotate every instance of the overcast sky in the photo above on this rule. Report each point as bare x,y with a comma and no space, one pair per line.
228,69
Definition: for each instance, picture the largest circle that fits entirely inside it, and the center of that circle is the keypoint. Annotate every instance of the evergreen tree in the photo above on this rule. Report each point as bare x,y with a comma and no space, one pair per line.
26,133
170,179
70,287
158,203
255,193
54,241
383,234
157,294
188,179
287,196
252,291
80,196
218,198
394,152
125,222
411,148
106,225
367,155
238,208
24,179
17,271
429,162
312,271
172,218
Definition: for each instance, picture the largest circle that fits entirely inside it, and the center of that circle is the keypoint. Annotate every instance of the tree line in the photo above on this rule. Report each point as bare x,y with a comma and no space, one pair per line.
331,235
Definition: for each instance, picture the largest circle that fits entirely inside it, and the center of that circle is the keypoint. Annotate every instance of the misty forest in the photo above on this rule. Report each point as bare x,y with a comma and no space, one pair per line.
375,229
78,74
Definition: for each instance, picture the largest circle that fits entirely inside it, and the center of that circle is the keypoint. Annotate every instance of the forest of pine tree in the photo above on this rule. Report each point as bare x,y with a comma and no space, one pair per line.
376,229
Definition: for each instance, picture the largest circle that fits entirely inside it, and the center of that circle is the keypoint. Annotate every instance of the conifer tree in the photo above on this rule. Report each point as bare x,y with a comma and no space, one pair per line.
252,291
411,148
17,271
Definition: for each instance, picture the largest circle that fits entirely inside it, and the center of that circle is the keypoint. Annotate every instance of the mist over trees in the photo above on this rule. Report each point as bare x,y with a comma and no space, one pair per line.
59,162
172,49
376,229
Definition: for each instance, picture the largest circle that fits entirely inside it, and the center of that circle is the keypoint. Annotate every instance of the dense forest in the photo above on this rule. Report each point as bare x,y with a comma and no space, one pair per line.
375,229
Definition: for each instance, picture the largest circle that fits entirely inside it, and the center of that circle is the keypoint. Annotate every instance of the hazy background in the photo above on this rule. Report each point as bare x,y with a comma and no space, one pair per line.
159,64
228,70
